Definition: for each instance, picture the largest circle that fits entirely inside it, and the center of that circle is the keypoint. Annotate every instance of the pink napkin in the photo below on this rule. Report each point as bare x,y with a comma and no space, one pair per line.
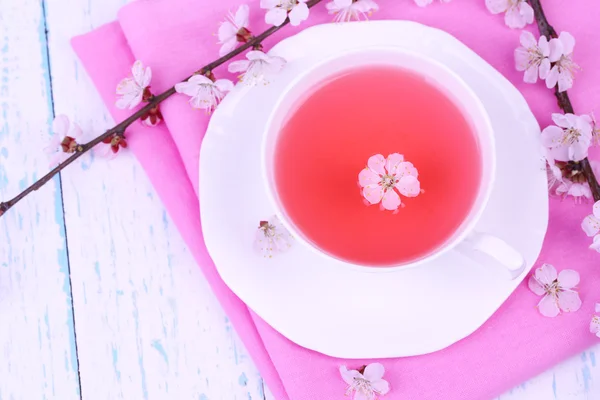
175,38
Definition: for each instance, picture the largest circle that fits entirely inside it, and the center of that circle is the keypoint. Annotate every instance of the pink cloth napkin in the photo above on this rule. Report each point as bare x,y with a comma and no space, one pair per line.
175,38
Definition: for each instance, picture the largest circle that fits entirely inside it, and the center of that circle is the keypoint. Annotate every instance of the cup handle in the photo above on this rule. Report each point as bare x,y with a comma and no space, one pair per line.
493,248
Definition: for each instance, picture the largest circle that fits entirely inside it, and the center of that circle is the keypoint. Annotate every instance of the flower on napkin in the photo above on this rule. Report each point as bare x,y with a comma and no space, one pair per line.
132,90
591,226
518,12
532,57
279,10
234,30
425,3
570,139
272,237
347,10
382,178
204,92
257,67
558,290
563,68
366,383
63,142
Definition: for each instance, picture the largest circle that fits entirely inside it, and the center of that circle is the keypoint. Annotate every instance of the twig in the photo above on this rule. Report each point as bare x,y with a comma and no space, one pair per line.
563,98
153,102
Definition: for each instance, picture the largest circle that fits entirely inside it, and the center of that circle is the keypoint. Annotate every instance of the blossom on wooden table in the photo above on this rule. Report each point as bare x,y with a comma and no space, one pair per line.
132,89
205,93
518,13
591,226
532,57
257,68
558,290
234,30
569,139
272,237
278,10
563,68
382,178
366,383
347,10
63,142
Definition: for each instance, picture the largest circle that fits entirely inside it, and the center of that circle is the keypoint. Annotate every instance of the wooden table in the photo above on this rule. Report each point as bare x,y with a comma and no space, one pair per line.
99,297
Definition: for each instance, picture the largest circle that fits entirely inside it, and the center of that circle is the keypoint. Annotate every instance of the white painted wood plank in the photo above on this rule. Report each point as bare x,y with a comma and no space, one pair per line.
37,344
148,326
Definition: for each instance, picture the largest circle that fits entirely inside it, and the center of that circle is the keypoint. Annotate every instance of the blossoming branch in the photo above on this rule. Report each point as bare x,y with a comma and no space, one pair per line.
135,89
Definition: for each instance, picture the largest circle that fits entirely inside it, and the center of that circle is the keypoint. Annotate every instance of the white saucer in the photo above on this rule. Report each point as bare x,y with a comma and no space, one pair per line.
348,313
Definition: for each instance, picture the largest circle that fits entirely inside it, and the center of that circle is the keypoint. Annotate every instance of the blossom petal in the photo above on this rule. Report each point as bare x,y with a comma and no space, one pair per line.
368,177
275,64
531,74
546,274
552,78
596,244
391,200
544,68
563,120
544,46
568,42
393,160
409,186
238,66
521,58
268,4
362,396
569,301
137,71
556,49
406,168
226,31
591,225
595,324
535,286
228,45
526,12
497,6
548,306
349,375
242,16
527,39
514,19
186,88
568,278
60,125
565,81
373,193
374,372
377,164
596,209
276,16
298,14
552,136
224,85
579,150
255,55
380,386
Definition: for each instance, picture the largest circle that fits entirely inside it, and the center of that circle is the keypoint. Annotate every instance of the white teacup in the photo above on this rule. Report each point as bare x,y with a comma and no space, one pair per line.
466,239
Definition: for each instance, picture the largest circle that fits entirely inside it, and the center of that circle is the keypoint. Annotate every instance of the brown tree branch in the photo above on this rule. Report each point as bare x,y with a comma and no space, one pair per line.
563,98
120,128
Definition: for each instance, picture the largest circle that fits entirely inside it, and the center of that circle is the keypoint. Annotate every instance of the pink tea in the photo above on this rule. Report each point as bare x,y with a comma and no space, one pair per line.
330,135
